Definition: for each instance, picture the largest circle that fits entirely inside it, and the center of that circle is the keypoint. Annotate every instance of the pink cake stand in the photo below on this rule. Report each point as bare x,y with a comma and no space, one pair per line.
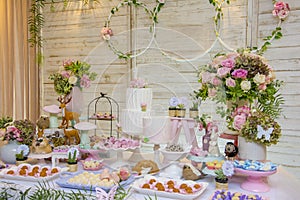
254,181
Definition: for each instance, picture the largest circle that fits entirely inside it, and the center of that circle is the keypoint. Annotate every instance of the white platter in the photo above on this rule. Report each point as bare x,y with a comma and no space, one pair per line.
3,174
137,183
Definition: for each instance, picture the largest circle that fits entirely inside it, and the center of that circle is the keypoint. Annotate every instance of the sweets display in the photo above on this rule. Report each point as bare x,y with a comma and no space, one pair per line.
114,143
31,172
227,195
104,116
171,188
255,165
92,164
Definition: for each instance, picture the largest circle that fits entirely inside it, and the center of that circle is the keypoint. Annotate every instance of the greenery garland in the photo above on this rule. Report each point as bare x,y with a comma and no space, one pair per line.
153,16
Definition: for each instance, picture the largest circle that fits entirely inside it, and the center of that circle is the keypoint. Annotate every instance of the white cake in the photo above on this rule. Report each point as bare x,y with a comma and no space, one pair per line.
132,116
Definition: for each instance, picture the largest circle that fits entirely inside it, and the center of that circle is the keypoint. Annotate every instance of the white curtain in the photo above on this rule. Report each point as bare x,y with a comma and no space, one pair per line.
19,76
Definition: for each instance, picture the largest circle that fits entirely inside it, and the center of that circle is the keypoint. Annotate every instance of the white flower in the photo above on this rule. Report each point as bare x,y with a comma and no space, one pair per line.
72,79
246,85
259,79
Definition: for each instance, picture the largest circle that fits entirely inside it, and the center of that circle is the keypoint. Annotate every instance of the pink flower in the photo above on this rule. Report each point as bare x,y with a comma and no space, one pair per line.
161,1
65,74
230,82
216,81
240,73
106,33
217,61
223,71
245,110
85,81
67,62
281,6
206,77
200,127
283,14
212,126
281,9
239,121
228,63
262,87
212,92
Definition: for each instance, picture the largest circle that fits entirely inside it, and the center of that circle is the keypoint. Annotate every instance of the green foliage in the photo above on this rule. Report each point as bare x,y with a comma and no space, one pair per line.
276,34
218,4
27,129
4,121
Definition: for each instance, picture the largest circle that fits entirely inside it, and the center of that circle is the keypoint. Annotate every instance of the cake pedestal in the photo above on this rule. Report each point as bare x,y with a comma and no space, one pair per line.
255,180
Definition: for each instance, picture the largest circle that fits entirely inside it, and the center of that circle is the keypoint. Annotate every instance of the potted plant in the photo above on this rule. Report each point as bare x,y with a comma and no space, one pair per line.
72,159
181,107
194,112
173,102
222,174
22,153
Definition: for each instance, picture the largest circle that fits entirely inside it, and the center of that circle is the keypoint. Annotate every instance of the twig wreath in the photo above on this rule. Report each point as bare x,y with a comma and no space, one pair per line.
107,32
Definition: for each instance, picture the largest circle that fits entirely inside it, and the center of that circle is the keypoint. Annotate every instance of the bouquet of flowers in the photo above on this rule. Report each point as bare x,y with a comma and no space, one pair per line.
72,73
138,83
22,131
244,82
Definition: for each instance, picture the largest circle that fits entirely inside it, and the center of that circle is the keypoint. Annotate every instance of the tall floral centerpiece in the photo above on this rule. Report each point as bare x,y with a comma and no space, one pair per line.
246,84
71,78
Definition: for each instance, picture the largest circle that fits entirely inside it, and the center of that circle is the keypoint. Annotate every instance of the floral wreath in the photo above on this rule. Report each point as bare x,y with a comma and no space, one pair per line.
261,128
107,33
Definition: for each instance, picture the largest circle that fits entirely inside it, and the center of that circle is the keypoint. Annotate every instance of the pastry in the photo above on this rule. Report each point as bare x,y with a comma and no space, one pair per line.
144,164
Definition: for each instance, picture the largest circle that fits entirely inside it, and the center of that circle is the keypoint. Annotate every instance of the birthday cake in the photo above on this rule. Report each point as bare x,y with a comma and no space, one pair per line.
138,106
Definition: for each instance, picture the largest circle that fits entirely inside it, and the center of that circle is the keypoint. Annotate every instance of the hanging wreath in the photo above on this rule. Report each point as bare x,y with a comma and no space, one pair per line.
107,32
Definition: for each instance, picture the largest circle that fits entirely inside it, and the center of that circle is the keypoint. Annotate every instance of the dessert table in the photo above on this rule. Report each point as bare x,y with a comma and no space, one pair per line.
282,186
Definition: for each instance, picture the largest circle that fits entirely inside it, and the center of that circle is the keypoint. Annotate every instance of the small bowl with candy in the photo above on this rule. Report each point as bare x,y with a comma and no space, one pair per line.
92,165
174,152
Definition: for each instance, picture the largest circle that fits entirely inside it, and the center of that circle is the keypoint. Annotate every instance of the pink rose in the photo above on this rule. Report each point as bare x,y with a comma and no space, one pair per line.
262,87
239,121
245,110
206,77
223,71
281,5
228,63
283,14
85,81
216,81
212,92
217,61
161,1
65,74
230,82
240,73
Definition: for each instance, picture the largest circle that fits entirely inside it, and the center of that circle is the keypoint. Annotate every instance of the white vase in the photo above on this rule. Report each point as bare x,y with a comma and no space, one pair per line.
251,150
8,152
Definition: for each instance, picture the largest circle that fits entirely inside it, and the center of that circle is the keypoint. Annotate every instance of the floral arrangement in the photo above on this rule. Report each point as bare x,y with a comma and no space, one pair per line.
22,131
224,172
138,83
179,103
281,9
246,81
261,128
72,73
22,152
72,155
